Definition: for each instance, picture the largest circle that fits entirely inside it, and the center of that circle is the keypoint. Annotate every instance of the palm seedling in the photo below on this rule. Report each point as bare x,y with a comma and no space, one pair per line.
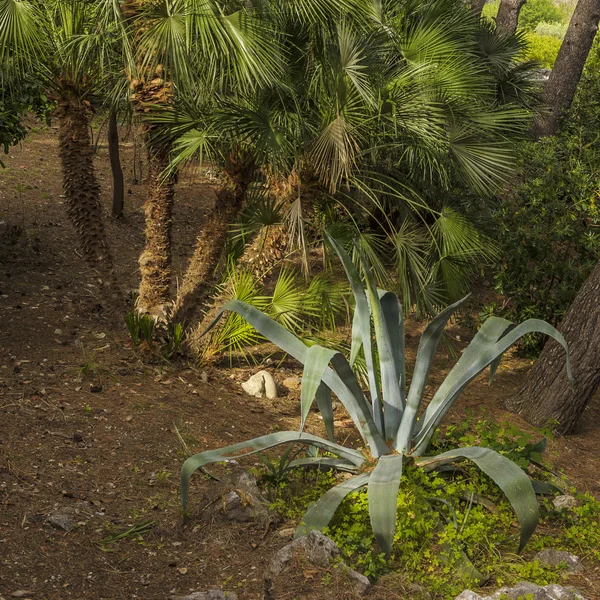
390,421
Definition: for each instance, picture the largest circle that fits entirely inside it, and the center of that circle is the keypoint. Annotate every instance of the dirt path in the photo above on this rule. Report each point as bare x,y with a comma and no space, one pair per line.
113,456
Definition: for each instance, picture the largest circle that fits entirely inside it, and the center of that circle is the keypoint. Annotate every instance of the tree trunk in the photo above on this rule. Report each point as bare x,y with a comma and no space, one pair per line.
82,192
548,398
477,7
115,166
507,19
560,88
155,260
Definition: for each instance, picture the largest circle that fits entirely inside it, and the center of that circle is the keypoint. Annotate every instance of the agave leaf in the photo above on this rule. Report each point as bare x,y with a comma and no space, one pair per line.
383,499
326,409
260,444
482,351
496,362
393,398
393,368
320,512
510,478
427,347
317,359
362,319
344,387
323,463
464,569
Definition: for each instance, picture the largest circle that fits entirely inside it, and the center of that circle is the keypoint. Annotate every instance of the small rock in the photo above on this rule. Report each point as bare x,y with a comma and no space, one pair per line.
316,549
203,377
526,589
62,519
292,383
564,501
95,388
182,570
129,418
58,332
259,384
418,591
287,533
22,594
236,497
552,558
209,595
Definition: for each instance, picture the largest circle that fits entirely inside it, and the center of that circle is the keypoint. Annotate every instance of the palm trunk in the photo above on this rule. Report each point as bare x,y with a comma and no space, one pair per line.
560,88
82,192
115,166
507,19
548,398
155,260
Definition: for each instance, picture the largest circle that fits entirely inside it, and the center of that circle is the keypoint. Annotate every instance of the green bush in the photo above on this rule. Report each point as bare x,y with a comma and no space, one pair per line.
557,30
535,12
548,224
543,49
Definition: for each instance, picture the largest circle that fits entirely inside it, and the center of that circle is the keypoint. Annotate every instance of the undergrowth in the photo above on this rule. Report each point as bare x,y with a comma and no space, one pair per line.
454,531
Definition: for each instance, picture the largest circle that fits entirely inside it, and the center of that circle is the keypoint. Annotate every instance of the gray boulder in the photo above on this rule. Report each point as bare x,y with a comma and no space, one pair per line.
552,558
209,595
261,384
527,590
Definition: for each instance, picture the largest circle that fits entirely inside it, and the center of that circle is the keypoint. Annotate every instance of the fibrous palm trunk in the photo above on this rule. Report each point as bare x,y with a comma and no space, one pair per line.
155,260
82,192
548,398
560,88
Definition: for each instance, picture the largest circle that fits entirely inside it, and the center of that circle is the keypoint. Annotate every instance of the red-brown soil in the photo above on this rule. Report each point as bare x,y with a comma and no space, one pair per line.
114,455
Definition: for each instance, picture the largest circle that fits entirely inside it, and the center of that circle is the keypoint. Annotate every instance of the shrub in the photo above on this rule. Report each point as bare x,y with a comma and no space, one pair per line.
394,436
535,12
557,30
543,49
548,224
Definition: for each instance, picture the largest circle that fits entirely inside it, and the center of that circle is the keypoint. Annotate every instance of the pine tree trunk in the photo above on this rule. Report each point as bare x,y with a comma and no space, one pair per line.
548,398
155,260
507,19
560,88
477,7
115,166
82,192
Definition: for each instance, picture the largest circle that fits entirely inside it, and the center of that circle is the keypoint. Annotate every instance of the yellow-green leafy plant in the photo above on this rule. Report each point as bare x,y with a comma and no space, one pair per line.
395,430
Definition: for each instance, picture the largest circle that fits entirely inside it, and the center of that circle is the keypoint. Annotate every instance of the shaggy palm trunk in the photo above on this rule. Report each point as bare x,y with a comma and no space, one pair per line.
115,166
507,19
155,260
548,397
211,242
560,88
82,192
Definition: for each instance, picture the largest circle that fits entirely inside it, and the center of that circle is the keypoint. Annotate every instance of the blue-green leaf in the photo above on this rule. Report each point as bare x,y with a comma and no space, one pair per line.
383,499
510,478
326,409
317,360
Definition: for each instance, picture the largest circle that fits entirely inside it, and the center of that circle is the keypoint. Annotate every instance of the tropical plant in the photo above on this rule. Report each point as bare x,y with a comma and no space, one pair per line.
389,423
376,115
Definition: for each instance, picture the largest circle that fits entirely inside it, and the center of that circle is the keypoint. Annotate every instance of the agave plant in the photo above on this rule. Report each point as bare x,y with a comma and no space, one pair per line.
389,419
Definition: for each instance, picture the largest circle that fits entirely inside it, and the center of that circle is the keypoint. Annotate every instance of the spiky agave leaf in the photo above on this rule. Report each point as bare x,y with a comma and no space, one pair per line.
260,444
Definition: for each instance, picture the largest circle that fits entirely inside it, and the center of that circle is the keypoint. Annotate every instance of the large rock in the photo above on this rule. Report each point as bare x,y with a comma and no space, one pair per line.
526,590
552,558
209,595
236,497
261,384
314,549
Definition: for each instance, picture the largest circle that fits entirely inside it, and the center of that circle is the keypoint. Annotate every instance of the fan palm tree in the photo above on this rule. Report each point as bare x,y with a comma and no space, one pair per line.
178,44
382,109
45,38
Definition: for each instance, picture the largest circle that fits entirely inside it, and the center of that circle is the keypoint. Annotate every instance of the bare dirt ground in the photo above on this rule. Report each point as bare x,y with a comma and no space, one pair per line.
113,456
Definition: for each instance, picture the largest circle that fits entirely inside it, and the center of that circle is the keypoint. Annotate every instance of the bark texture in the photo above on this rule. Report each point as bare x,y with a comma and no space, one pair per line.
82,191
115,166
507,19
560,88
155,260
548,398
211,242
